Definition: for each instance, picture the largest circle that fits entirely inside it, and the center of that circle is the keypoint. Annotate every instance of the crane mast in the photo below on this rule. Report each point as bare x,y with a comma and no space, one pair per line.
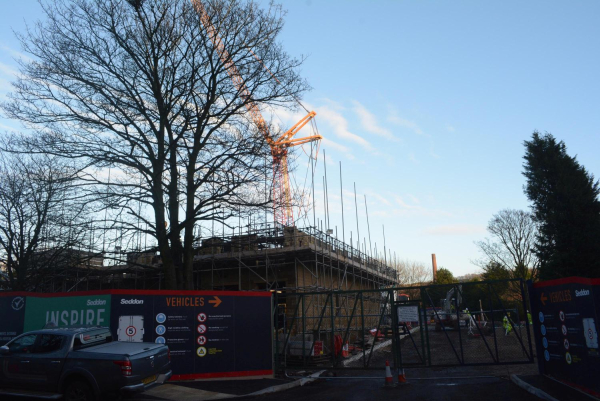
282,196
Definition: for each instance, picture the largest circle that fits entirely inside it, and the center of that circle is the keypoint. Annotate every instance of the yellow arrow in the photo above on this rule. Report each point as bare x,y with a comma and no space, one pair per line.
543,299
216,301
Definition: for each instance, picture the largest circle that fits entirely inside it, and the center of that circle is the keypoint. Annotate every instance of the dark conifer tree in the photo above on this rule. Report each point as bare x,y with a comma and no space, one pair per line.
566,206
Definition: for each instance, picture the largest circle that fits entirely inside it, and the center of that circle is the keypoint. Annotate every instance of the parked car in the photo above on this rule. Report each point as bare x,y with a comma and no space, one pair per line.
80,364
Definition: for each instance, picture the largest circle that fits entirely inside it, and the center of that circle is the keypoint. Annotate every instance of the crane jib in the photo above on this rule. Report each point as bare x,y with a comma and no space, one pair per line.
281,185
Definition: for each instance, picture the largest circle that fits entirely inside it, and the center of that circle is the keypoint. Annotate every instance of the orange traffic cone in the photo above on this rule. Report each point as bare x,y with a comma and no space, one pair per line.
401,376
388,375
345,352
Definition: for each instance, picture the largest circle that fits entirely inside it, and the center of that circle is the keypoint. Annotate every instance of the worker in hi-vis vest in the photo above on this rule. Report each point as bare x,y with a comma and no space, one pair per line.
506,324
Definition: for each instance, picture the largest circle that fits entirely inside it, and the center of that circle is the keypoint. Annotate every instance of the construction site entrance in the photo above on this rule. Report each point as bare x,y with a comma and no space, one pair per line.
474,323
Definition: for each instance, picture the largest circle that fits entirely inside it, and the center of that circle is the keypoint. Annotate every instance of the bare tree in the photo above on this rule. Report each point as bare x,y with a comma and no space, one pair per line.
41,219
512,244
138,87
411,272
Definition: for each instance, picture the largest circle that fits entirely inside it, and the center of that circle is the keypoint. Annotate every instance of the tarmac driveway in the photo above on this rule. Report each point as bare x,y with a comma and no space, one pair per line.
476,389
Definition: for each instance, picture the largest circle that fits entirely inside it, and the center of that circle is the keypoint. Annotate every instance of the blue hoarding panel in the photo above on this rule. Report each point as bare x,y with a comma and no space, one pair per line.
566,330
209,333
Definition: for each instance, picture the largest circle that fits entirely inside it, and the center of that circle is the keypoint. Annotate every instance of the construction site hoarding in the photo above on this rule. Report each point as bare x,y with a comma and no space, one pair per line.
210,334
565,318
12,316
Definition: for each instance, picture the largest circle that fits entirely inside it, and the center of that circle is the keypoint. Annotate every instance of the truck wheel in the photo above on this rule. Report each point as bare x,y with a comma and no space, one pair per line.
78,391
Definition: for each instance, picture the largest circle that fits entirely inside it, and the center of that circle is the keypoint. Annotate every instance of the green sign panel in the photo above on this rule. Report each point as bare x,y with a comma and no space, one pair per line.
67,311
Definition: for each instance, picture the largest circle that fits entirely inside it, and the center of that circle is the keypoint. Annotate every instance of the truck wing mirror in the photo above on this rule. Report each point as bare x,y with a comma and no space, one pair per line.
4,350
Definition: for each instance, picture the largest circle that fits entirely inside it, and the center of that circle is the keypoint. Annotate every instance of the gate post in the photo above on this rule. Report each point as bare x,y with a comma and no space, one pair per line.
493,321
527,325
332,322
304,330
395,342
535,312
424,290
362,318
274,325
462,355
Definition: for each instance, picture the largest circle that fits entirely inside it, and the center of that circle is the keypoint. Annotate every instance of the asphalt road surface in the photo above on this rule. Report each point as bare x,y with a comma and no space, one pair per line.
476,389
431,389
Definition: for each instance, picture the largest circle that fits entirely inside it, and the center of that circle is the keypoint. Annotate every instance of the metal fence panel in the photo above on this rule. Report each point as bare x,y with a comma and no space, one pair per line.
475,323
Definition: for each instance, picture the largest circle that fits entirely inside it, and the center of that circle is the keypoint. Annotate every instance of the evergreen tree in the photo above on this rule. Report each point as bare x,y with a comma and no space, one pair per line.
445,276
496,271
566,206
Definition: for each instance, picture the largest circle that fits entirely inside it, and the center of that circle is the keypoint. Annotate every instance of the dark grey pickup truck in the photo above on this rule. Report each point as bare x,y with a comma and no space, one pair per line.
80,364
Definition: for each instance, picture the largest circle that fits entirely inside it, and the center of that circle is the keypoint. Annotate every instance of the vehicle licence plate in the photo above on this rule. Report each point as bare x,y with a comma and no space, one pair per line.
149,379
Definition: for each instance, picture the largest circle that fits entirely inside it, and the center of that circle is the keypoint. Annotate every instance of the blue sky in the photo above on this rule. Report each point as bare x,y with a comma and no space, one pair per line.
427,104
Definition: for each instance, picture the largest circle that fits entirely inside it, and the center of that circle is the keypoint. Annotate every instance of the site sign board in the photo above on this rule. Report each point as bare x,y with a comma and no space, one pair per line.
408,313
66,311
565,318
12,316
209,333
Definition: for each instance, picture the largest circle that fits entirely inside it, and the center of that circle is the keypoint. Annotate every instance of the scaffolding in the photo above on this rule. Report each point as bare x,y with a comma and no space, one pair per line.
287,259
263,258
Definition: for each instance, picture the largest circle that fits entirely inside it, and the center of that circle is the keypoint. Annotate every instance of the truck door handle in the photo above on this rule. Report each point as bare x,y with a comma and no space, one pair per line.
54,361
24,361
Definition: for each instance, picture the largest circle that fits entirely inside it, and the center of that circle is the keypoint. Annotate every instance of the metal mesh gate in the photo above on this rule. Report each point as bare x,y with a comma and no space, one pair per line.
475,323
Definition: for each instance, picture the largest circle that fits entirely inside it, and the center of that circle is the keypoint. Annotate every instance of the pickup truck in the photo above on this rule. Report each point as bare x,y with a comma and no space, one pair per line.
80,364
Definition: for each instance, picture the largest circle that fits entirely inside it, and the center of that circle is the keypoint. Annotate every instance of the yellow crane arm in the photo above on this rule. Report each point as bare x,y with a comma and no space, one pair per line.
281,185
237,79
297,127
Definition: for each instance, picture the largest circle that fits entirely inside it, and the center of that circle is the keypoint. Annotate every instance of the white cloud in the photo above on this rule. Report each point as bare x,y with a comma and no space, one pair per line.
401,202
380,198
331,116
15,53
455,229
5,85
414,199
432,152
339,125
327,159
393,205
7,127
370,124
336,146
333,124
450,128
329,144
394,118
415,209
8,70
287,118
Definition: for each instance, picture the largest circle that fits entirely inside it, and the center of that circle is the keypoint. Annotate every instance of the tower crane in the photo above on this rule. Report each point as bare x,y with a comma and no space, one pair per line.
282,202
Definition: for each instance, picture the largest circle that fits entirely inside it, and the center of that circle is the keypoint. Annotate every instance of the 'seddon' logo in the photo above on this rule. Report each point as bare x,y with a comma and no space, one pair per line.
96,302
132,301
17,303
582,293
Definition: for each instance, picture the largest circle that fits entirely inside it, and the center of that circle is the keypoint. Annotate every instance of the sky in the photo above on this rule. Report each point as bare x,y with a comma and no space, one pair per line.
426,105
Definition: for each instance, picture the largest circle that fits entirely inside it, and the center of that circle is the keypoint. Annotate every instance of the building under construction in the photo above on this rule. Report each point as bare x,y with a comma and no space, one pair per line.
291,261
287,259
284,259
